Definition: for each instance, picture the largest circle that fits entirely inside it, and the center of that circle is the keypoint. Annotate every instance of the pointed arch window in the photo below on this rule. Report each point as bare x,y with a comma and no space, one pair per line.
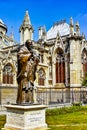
84,61
41,77
7,74
41,58
85,67
60,68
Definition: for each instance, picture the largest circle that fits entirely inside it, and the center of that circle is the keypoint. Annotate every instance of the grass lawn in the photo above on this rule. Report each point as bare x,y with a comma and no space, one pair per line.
68,127
68,118
2,121
73,118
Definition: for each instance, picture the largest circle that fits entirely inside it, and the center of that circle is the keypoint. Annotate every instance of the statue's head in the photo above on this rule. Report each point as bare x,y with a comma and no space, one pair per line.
29,44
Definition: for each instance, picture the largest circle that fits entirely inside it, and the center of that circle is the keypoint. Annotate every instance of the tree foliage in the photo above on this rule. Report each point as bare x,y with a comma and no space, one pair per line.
84,80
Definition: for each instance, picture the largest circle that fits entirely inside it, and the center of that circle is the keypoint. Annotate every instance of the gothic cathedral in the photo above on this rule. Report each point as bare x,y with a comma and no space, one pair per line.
63,61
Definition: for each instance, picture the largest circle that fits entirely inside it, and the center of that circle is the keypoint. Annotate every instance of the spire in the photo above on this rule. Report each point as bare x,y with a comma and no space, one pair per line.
42,32
26,18
71,26
12,34
83,35
71,21
77,29
26,29
58,34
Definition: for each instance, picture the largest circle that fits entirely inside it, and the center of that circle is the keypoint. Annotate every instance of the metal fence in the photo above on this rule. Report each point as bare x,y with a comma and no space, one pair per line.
60,96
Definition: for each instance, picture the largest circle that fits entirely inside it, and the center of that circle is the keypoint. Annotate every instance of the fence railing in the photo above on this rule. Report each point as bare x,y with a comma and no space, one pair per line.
50,96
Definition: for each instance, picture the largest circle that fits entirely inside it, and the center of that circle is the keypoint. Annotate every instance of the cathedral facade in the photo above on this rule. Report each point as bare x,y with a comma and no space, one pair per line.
63,61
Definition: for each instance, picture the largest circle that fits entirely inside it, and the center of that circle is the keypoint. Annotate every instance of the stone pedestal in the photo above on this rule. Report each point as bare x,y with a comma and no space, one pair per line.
21,117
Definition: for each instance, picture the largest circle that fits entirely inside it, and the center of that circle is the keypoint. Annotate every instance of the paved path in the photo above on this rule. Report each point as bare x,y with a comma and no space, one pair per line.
2,112
70,125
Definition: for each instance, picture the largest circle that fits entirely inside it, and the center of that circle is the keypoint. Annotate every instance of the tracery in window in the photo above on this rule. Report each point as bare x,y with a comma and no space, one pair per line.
84,61
60,67
7,74
41,77
41,58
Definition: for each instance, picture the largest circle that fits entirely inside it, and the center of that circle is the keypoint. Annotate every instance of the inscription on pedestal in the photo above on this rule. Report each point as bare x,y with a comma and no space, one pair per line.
35,118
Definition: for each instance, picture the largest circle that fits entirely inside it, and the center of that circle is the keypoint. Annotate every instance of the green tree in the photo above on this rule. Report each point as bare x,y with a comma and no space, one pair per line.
84,80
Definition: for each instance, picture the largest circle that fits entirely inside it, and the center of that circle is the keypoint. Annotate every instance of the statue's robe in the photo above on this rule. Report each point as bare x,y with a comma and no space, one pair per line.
27,66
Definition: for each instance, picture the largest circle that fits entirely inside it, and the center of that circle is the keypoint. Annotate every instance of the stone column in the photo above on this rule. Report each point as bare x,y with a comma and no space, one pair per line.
66,71
34,96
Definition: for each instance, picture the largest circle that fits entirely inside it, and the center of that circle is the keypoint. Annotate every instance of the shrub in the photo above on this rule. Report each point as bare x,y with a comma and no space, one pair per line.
84,80
77,104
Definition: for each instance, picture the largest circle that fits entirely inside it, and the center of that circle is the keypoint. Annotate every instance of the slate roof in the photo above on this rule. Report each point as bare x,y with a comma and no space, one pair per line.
62,28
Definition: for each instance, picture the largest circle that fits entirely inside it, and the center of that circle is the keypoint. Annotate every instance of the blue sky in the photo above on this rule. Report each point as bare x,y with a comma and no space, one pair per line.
42,13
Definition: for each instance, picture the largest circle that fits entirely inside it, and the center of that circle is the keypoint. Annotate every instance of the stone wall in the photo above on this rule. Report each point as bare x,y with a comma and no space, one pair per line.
8,95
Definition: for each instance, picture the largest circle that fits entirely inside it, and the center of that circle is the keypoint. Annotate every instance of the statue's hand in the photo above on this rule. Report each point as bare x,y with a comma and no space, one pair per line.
37,60
29,56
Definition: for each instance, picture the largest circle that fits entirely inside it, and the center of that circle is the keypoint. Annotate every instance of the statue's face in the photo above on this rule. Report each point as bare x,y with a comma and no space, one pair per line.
29,45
